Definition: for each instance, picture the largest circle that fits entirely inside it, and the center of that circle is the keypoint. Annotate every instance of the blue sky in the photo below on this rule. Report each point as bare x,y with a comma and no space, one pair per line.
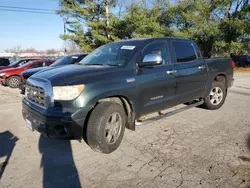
39,31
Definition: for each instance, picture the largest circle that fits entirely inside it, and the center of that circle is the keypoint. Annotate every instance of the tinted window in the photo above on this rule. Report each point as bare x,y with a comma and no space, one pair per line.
48,63
80,58
36,65
184,51
157,48
66,60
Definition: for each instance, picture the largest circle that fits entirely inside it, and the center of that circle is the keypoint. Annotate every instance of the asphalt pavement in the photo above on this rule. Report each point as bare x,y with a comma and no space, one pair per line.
196,148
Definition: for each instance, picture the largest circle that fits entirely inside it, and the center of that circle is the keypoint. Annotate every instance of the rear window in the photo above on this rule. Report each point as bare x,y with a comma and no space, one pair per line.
184,51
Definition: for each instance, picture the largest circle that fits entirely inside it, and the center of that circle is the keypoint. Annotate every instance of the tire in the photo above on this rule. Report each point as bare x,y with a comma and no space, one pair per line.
98,137
14,81
217,87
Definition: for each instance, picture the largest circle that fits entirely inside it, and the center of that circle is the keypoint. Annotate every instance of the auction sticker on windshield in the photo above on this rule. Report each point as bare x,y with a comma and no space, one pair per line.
128,47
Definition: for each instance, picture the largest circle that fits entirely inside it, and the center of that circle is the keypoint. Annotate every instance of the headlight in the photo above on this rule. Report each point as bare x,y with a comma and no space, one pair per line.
2,74
67,92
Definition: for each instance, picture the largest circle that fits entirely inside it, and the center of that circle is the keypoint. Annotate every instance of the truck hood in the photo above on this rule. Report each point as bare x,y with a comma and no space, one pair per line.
70,74
26,74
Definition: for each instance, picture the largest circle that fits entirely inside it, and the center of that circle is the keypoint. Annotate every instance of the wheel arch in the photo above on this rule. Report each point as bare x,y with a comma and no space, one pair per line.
126,104
128,108
221,77
17,75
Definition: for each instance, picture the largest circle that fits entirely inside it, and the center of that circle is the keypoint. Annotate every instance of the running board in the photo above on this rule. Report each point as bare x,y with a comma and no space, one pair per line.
167,114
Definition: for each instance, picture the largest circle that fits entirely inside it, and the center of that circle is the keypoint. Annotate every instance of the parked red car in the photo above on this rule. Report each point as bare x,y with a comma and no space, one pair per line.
18,63
12,76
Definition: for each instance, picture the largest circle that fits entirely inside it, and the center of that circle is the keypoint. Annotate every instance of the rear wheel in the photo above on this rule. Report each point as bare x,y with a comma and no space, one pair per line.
106,126
216,97
14,81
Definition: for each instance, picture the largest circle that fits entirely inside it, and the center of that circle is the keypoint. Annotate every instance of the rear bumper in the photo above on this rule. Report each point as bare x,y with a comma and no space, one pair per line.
230,80
232,83
55,123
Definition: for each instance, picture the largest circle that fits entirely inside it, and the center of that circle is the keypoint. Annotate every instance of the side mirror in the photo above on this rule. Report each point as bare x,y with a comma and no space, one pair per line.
150,60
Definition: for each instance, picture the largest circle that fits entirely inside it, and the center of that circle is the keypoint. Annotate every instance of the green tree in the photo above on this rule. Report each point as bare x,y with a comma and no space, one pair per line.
142,21
90,22
234,28
220,27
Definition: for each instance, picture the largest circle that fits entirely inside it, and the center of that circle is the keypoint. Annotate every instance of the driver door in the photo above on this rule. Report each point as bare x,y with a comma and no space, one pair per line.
156,86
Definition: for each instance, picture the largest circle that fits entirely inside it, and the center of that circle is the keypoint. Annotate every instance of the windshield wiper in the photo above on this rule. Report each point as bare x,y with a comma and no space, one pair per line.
95,64
113,65
101,64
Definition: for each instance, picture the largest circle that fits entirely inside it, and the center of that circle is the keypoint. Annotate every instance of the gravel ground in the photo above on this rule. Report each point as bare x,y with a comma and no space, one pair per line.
195,148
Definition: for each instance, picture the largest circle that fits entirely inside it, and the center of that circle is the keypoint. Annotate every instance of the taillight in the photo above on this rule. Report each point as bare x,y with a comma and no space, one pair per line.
233,63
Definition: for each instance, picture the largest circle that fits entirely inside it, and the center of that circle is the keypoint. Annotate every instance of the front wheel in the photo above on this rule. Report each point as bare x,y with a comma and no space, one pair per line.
106,126
14,81
216,97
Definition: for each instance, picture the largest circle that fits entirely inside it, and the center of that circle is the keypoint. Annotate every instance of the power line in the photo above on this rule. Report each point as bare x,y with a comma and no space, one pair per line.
25,11
26,8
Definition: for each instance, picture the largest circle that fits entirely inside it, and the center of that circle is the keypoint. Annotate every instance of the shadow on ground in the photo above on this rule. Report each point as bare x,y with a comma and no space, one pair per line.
58,165
7,144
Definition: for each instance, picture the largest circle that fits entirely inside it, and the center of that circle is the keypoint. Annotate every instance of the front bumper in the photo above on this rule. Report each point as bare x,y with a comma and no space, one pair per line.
3,81
61,123
22,87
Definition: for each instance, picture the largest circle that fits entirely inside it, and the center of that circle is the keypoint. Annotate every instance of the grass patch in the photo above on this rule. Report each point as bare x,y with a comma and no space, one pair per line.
242,70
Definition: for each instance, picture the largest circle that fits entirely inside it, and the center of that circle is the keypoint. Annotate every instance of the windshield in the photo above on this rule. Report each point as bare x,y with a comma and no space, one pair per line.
114,54
15,63
66,60
24,65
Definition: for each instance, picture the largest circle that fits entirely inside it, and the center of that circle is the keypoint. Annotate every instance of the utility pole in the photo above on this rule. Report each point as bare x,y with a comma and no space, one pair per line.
64,28
107,14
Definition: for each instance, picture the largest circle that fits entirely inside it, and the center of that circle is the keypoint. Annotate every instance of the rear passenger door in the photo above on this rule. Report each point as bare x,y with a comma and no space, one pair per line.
191,71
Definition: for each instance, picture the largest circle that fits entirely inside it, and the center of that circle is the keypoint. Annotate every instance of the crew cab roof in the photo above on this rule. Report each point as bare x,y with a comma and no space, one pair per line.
143,41
156,38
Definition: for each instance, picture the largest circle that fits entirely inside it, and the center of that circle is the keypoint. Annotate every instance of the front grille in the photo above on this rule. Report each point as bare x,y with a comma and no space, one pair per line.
35,94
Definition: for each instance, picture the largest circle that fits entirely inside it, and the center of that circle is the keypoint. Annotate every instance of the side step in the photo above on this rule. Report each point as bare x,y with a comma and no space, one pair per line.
164,115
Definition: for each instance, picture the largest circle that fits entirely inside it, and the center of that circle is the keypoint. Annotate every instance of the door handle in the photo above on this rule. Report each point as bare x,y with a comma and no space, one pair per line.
201,67
172,72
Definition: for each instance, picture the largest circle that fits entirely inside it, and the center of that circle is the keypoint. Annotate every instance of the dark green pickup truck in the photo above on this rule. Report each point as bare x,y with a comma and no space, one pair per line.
119,83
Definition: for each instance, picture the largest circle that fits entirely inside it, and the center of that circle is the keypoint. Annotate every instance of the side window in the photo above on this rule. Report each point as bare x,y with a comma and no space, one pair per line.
47,63
157,48
41,64
78,59
184,51
36,65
